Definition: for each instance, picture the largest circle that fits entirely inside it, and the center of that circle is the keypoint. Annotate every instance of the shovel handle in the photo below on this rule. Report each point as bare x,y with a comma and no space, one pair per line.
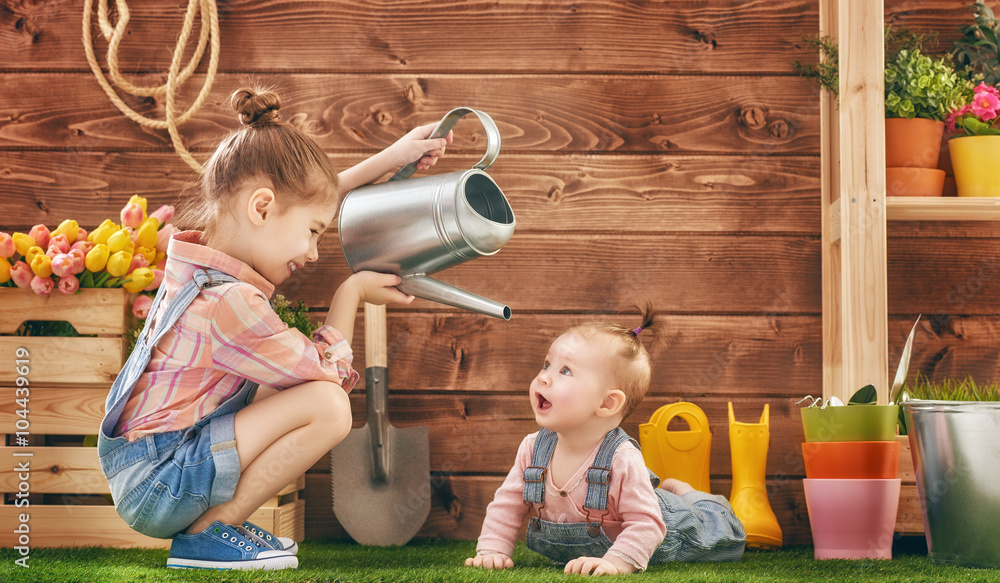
376,352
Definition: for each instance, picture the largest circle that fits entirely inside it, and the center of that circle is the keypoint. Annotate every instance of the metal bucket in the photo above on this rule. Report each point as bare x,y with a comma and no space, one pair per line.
956,457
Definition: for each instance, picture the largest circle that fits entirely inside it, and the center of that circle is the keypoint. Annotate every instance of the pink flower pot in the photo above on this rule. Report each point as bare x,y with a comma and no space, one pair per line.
852,519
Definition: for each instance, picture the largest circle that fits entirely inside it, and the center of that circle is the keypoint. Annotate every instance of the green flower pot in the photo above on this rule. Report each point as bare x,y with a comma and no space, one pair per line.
850,423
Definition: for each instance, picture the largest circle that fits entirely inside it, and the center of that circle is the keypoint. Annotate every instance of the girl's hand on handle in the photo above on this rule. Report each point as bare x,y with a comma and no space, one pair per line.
416,146
490,561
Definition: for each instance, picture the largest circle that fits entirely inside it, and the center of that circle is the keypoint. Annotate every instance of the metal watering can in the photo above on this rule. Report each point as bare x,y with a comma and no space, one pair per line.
417,227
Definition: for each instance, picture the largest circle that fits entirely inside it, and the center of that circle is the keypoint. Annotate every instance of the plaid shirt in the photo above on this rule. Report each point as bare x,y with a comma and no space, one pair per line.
228,335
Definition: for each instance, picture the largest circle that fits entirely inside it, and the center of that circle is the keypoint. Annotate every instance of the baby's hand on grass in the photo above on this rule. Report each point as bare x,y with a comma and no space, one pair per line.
490,561
598,566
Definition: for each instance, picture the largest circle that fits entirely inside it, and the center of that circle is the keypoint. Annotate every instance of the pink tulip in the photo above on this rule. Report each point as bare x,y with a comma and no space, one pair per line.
83,245
40,233
7,246
138,260
62,265
60,242
132,215
21,274
157,279
163,214
164,239
42,286
68,284
141,306
81,234
79,261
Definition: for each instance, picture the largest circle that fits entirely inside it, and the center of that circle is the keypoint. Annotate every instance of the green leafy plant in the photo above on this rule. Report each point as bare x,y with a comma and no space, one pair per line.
918,86
825,71
977,53
295,315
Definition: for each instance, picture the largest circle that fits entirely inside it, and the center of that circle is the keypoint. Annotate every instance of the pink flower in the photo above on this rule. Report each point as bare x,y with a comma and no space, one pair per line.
81,234
68,284
7,246
40,233
986,104
21,274
79,261
42,286
132,215
953,116
62,265
138,260
164,239
60,242
163,214
157,279
83,245
141,306
983,87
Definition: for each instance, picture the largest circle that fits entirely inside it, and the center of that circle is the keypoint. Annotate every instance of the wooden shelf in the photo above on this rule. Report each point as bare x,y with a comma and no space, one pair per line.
918,208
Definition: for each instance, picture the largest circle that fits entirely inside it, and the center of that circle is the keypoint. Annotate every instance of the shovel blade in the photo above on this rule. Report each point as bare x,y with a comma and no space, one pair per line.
377,512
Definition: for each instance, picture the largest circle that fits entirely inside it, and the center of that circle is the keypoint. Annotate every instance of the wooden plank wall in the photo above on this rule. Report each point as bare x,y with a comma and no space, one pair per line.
662,148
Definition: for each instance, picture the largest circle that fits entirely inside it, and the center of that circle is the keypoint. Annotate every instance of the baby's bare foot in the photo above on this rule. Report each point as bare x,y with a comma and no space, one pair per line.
676,486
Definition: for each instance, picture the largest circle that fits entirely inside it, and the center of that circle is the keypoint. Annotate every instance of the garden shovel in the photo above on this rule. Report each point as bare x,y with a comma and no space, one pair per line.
380,474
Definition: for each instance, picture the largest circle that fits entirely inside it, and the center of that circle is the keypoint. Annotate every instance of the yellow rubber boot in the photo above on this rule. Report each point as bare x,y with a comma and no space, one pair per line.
683,455
748,443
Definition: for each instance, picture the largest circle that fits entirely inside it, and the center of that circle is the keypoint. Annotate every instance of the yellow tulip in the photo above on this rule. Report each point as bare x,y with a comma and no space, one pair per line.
97,258
149,254
32,252
4,271
148,232
42,265
119,240
118,263
70,228
136,199
22,243
140,278
101,233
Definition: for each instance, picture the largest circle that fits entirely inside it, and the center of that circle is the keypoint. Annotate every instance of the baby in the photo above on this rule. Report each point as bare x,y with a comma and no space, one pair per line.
593,504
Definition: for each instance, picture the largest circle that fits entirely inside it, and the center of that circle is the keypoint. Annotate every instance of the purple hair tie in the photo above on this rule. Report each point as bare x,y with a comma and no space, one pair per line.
636,330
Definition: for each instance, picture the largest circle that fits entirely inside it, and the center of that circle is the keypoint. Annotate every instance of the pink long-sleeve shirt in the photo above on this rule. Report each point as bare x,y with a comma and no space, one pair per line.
634,522
229,334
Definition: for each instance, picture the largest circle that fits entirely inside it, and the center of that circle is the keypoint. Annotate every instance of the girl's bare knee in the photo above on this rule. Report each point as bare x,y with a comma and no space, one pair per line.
332,410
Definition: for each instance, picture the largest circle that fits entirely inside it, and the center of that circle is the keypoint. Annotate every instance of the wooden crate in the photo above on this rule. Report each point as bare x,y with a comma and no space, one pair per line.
67,496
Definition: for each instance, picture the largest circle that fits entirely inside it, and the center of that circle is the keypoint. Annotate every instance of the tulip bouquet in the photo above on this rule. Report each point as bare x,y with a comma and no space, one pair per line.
129,254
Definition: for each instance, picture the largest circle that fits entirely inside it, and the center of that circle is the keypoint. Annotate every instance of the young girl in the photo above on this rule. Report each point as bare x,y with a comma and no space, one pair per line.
592,503
188,453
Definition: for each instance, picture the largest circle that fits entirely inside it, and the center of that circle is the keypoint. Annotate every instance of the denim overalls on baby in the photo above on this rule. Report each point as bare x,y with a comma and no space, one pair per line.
700,526
162,482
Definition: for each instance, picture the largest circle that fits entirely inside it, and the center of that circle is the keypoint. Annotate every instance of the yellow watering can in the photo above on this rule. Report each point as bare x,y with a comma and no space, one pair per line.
683,455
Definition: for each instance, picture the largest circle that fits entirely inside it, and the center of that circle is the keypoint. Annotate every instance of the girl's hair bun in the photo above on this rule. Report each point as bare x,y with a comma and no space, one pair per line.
256,106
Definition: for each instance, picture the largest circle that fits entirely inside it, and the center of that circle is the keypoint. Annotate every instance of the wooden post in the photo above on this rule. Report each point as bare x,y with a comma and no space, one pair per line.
855,316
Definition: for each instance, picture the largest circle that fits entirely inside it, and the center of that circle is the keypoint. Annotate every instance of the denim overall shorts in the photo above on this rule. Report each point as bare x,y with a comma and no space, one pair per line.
700,526
162,482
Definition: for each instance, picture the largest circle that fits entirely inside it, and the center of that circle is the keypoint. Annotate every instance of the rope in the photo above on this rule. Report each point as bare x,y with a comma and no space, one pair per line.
175,76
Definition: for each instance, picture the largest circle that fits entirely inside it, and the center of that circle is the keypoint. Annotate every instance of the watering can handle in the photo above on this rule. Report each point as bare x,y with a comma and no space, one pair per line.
445,125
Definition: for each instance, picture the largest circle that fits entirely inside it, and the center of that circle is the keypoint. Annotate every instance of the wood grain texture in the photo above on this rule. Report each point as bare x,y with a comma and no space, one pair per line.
548,192
449,36
565,113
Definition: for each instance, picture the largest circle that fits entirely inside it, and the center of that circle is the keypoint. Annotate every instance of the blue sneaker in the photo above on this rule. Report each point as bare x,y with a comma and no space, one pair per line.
278,543
221,546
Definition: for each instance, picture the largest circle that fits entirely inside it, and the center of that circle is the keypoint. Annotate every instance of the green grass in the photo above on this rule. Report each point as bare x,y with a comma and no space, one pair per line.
425,561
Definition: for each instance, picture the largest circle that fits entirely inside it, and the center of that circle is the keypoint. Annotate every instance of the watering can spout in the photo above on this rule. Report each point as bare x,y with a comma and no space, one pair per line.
428,288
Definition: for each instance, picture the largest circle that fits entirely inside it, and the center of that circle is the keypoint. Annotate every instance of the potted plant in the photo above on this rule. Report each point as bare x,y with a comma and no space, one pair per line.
975,144
955,446
919,93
